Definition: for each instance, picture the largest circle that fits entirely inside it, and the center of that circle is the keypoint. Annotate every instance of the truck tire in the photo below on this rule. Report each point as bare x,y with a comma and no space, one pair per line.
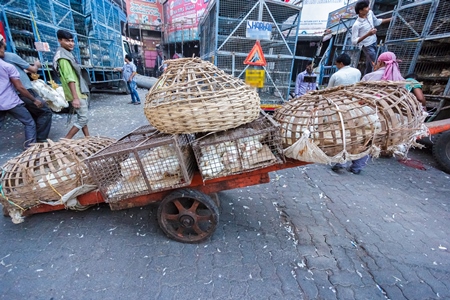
441,151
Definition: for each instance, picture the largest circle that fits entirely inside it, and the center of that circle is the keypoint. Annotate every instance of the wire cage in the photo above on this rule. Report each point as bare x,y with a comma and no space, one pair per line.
440,25
63,16
406,52
144,161
248,147
18,6
409,21
226,41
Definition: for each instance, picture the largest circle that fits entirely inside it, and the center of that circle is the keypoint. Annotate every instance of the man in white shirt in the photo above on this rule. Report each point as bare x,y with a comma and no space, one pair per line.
364,33
345,74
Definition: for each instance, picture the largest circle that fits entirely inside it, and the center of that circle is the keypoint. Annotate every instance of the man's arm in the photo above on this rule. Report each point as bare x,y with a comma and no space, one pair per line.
134,69
35,67
73,90
297,83
362,38
355,30
24,92
386,20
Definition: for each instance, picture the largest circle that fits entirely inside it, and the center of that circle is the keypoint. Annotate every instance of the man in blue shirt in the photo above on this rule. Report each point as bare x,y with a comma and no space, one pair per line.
128,73
306,81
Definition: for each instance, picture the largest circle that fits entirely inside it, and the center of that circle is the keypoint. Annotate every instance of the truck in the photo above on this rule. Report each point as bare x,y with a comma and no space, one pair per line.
30,27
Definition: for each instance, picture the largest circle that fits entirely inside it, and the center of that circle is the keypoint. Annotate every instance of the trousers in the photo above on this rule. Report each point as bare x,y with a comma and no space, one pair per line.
41,116
20,113
134,93
357,164
371,55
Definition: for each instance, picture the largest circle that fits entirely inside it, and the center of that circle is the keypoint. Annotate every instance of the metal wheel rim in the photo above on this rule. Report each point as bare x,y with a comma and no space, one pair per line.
188,219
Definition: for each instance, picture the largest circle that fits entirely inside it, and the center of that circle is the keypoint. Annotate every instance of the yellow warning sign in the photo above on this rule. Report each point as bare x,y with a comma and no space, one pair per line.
255,77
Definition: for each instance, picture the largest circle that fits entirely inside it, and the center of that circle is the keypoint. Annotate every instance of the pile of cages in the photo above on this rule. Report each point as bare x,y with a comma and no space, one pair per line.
142,162
226,41
248,147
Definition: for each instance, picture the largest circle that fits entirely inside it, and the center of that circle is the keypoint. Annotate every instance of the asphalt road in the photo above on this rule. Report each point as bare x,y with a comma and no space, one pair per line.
308,234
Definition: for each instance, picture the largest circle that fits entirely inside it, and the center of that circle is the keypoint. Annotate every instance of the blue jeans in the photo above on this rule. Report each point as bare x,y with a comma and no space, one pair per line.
134,94
357,164
42,116
21,113
371,56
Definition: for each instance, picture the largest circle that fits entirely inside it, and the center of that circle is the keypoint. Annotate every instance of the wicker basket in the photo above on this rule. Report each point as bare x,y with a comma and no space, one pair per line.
142,162
348,122
193,96
251,146
46,171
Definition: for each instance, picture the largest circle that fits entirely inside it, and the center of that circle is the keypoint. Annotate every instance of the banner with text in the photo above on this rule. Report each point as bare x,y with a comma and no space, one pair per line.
182,18
314,16
146,14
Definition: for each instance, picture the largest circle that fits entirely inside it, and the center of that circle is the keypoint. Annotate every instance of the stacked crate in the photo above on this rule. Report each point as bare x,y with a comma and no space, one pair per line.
105,39
94,23
419,35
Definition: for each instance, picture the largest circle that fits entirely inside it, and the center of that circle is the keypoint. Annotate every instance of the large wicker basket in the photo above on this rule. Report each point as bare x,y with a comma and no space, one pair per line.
47,171
348,122
193,96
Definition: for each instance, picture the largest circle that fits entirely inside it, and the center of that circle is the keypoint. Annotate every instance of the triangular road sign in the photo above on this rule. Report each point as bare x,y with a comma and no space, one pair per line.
256,56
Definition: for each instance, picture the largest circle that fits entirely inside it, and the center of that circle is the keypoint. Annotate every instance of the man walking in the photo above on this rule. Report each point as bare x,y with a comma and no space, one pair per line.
10,102
128,73
345,74
306,81
75,87
364,33
42,115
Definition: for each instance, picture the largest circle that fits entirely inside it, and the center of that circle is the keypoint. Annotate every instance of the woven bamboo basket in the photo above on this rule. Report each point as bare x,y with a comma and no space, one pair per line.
193,95
46,171
349,122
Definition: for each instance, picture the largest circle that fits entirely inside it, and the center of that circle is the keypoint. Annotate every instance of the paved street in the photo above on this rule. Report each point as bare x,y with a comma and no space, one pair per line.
308,234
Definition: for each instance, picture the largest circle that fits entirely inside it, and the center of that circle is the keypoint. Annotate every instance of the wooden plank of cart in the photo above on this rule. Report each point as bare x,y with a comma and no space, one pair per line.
187,214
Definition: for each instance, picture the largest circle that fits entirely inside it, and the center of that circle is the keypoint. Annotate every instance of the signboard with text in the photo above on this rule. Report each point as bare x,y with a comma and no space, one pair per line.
343,13
255,78
314,16
144,13
258,30
182,18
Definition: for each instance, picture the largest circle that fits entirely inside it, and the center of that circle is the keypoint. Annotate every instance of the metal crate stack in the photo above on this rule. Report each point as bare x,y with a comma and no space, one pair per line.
248,147
142,162
105,39
225,43
419,35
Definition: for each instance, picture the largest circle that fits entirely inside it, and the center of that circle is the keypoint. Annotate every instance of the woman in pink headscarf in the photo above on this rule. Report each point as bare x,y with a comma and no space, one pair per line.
386,68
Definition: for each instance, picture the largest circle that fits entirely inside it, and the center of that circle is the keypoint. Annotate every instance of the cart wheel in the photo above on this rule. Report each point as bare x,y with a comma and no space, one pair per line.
188,216
441,150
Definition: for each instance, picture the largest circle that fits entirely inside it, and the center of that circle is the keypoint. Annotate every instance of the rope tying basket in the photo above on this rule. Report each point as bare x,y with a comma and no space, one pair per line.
348,122
193,95
47,171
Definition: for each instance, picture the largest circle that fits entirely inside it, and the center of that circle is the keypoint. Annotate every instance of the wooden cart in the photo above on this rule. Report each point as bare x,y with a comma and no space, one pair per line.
189,214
